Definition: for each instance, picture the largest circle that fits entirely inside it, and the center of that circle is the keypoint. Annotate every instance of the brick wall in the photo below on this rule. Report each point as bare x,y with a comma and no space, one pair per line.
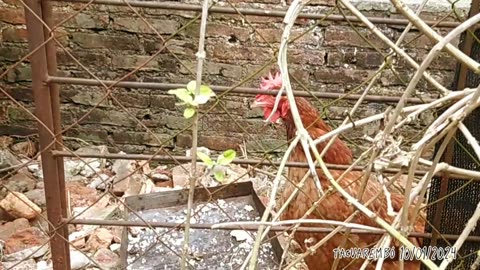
111,41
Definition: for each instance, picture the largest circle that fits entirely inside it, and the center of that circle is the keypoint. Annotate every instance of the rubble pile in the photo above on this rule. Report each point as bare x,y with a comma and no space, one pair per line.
90,183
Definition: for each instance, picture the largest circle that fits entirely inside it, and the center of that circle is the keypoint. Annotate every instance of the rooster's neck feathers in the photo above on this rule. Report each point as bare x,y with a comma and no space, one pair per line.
338,152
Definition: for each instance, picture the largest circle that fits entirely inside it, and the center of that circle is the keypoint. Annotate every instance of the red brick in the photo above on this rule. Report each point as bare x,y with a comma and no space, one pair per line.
98,41
218,143
307,56
336,36
356,58
224,52
83,20
13,16
134,61
142,138
415,40
12,34
232,33
137,25
274,35
342,76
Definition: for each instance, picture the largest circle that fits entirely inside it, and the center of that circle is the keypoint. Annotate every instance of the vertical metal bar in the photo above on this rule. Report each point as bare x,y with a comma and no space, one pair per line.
466,47
43,111
51,53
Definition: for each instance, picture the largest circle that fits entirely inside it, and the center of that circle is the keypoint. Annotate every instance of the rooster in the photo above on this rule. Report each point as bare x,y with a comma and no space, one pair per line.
333,206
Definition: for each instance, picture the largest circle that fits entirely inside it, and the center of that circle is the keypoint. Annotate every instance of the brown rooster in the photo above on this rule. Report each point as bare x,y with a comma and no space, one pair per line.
334,206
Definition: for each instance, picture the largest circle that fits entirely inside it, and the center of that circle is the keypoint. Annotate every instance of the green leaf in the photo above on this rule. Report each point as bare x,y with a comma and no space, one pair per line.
182,94
205,94
227,157
206,91
206,159
219,175
174,91
189,112
191,86
201,99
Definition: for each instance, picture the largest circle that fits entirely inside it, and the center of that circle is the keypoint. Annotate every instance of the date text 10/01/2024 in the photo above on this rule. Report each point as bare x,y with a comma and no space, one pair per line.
432,253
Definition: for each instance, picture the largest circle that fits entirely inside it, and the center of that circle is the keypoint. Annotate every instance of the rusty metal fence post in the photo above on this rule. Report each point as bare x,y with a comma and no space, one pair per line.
46,100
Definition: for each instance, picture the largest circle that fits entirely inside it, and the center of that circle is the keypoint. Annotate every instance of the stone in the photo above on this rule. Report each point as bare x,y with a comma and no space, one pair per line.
100,238
32,252
23,239
81,195
37,196
19,206
20,182
9,228
40,185
95,212
78,260
79,243
180,176
26,148
122,169
106,258
7,159
23,265
5,142
101,181
43,265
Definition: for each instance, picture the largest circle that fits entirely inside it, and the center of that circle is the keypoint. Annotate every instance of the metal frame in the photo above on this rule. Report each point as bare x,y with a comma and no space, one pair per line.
47,108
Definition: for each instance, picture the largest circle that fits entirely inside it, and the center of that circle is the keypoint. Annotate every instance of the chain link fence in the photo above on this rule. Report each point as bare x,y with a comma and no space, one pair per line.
136,214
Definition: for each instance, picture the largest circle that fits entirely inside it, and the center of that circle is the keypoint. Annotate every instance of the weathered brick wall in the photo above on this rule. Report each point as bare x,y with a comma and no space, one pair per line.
111,41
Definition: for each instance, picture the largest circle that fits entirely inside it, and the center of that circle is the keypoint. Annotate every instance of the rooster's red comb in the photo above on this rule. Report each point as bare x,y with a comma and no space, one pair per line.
271,82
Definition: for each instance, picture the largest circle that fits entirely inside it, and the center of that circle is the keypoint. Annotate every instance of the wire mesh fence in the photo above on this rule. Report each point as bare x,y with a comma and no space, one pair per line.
102,69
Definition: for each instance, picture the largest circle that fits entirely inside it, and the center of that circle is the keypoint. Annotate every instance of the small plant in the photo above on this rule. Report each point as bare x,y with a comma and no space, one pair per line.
188,98
217,167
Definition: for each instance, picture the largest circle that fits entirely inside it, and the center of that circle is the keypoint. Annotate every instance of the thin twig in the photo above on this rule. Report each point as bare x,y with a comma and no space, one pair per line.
193,173
422,26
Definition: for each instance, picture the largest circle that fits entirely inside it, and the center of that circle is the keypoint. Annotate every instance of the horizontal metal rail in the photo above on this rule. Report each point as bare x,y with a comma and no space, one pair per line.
256,12
183,159
238,90
125,223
